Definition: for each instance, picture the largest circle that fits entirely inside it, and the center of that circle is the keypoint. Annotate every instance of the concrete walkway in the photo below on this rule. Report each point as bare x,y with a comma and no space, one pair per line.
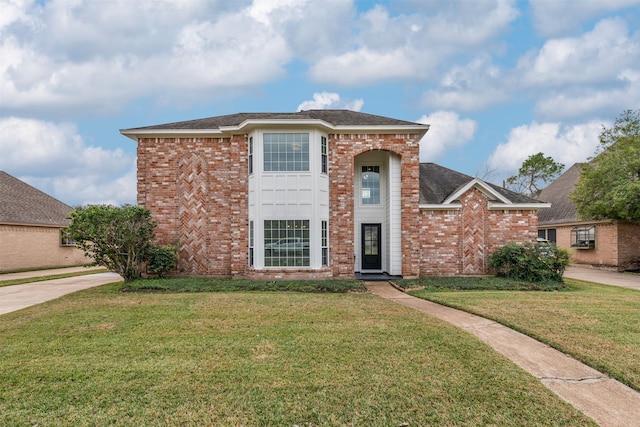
607,401
606,277
16,297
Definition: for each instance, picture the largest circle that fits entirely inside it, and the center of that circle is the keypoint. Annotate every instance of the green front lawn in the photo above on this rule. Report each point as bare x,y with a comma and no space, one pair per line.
598,325
104,357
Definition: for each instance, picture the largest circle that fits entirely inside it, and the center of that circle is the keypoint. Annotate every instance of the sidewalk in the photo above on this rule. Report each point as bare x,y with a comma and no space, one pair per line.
605,400
16,297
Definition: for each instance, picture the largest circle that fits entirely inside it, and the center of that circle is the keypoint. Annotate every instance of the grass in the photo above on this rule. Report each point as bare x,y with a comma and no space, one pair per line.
596,324
447,284
180,285
49,277
104,357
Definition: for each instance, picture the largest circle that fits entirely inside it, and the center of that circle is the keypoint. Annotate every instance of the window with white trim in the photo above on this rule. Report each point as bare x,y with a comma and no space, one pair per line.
250,155
286,152
370,185
325,244
286,243
65,239
324,155
251,235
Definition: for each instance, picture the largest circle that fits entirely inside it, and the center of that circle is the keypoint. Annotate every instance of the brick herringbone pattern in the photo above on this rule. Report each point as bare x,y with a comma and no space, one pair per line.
192,214
473,233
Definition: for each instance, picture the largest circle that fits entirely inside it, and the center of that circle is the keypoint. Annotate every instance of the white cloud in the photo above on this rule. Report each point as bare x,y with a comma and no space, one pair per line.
470,87
81,55
553,18
410,46
565,144
591,58
447,130
330,100
54,158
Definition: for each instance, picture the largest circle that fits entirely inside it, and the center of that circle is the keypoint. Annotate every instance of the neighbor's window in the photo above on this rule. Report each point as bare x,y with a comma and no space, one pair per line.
287,152
286,243
370,185
583,237
548,234
250,243
325,244
65,239
324,155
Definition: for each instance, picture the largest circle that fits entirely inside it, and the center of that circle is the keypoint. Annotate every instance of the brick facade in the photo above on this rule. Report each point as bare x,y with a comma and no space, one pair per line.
460,242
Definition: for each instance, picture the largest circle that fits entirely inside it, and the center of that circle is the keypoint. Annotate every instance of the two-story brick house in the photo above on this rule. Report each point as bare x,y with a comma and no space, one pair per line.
319,193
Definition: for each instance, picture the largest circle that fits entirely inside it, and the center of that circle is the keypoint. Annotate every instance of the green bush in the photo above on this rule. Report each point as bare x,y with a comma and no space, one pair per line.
161,259
532,262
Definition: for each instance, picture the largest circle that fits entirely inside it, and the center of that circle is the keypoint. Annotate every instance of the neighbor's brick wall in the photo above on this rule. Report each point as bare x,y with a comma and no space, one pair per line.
629,245
343,149
617,245
197,192
461,242
26,247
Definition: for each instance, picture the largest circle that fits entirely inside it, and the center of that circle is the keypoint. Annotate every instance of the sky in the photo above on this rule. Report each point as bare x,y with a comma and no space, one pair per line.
497,80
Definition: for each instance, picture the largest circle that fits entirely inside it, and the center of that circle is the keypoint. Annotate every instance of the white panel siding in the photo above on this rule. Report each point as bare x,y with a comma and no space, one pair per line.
395,218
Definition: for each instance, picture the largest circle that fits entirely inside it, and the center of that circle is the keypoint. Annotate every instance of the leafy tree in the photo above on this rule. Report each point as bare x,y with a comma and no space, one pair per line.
609,185
118,238
535,171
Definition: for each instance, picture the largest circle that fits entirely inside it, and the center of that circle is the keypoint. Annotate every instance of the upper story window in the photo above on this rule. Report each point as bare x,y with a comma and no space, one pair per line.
324,155
287,152
250,155
583,237
370,180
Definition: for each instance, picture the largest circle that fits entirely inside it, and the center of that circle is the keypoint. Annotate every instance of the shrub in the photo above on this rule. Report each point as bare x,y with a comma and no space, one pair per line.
161,259
530,262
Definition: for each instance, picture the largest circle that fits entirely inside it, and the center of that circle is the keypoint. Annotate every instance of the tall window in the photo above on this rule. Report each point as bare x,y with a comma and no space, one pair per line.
370,185
251,243
286,243
323,153
250,155
325,244
286,152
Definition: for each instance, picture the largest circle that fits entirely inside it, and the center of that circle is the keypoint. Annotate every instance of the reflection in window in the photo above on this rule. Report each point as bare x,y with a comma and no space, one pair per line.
583,237
370,185
287,152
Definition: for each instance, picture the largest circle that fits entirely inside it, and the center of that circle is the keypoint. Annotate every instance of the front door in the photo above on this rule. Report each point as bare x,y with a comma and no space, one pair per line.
371,257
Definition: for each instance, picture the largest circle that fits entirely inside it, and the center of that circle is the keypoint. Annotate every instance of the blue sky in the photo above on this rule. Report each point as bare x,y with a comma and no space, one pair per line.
496,80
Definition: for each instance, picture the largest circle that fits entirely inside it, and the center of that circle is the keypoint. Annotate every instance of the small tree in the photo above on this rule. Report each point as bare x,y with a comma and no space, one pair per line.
118,238
609,186
535,171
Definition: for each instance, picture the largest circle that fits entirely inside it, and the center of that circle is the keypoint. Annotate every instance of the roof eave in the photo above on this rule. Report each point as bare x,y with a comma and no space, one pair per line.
484,187
440,206
496,206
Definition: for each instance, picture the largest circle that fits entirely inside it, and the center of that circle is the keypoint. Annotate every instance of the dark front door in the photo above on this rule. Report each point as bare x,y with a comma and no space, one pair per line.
371,257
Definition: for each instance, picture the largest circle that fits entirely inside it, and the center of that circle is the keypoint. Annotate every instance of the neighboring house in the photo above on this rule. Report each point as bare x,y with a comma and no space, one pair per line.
31,224
316,194
604,243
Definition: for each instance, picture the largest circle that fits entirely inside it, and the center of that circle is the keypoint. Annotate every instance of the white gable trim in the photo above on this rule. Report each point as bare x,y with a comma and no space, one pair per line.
482,186
493,206
456,206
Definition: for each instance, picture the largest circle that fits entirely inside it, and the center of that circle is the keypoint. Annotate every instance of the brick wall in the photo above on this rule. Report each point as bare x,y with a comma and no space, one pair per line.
197,192
343,148
629,246
460,242
26,247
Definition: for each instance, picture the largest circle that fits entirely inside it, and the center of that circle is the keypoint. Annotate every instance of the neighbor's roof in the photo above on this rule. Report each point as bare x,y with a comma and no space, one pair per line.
331,118
26,205
438,184
557,193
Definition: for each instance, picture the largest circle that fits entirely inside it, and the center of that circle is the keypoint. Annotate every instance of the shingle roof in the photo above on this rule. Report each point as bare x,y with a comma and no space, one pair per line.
333,117
437,183
24,204
557,193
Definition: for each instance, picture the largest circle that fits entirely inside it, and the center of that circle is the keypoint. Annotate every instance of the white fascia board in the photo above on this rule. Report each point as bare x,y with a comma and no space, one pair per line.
483,187
495,206
135,134
441,207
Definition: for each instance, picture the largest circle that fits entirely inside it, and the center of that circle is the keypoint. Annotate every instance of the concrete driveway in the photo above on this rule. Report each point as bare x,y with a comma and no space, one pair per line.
606,277
16,297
